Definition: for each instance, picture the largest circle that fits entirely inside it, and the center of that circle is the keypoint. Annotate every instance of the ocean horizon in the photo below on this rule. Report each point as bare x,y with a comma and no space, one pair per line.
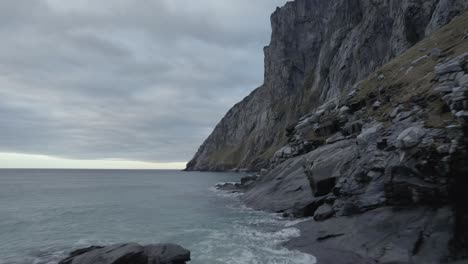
46,213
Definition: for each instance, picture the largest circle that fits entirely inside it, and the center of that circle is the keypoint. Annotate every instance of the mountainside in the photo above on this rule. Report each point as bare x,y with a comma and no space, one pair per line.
381,170
318,51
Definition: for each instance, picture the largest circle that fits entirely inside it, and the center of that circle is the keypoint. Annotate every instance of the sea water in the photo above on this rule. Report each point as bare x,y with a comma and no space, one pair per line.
44,214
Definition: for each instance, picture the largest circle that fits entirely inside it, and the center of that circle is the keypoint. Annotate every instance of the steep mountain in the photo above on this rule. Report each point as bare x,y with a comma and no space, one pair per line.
318,51
380,171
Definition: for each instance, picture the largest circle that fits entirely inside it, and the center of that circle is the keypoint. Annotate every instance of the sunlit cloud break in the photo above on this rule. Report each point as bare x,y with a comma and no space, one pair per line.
14,161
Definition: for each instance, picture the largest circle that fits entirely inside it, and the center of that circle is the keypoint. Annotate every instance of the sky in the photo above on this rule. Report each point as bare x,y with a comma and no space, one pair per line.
123,83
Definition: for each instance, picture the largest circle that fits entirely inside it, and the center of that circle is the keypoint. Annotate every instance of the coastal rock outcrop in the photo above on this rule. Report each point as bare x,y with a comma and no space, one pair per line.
131,253
318,51
386,182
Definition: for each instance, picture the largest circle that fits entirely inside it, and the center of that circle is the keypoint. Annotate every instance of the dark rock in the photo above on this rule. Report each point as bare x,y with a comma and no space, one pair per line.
323,212
384,235
166,253
382,143
248,179
129,254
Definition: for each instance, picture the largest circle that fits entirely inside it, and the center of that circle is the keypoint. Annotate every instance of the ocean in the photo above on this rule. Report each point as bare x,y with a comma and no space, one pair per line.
44,214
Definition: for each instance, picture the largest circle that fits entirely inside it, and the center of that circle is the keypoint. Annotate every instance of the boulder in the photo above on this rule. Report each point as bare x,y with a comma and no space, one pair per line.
448,68
410,137
370,134
325,211
130,253
248,179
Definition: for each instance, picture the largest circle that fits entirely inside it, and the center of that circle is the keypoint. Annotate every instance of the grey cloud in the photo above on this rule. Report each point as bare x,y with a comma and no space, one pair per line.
141,80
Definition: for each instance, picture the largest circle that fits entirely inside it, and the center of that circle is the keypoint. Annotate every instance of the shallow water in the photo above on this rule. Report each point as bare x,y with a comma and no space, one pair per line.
46,213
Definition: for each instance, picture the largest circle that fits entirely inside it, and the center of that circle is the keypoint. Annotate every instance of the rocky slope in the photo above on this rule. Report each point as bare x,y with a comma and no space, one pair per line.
381,170
318,51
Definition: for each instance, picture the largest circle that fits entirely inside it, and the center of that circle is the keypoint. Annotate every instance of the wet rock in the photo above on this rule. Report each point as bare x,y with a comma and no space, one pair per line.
129,253
248,180
383,235
325,211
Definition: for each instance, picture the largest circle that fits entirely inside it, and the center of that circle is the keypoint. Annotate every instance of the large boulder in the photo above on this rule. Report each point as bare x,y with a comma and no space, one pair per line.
410,137
130,253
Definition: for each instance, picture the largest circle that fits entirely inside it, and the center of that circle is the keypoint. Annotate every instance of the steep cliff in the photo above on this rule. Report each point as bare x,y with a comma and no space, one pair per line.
318,51
381,170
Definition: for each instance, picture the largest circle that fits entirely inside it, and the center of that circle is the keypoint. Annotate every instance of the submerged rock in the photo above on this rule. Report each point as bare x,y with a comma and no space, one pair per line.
131,253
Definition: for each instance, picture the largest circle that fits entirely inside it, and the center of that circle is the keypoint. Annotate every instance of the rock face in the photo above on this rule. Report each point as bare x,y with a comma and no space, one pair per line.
318,51
386,182
129,254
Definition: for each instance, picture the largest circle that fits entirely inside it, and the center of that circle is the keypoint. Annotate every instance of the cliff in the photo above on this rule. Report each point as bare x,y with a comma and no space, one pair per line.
318,51
381,170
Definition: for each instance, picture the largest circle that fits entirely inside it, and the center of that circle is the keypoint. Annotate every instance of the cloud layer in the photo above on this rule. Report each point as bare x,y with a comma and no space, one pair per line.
139,80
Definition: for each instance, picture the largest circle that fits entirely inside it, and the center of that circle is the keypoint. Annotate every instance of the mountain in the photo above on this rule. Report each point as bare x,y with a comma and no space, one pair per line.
318,51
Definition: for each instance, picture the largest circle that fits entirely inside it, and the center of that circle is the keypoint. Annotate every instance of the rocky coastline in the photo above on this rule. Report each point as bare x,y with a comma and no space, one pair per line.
378,160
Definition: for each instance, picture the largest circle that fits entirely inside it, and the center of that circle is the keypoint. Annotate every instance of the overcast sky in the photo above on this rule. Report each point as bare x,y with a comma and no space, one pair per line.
142,80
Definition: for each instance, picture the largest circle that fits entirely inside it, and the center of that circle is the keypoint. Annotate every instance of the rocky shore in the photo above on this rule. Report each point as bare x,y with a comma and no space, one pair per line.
377,157
130,253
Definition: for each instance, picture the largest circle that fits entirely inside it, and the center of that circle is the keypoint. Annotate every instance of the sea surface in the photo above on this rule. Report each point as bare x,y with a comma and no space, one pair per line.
46,213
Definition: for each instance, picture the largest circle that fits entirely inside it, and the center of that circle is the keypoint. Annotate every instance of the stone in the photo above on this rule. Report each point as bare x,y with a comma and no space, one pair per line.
436,53
335,138
166,253
352,128
444,89
410,137
398,109
344,109
463,81
376,105
462,114
131,253
324,212
443,149
370,134
248,179
402,116
385,235
452,66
